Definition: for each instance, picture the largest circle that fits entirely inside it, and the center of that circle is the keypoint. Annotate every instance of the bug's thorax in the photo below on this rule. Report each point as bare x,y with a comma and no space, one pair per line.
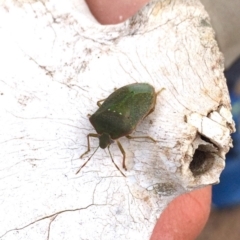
105,140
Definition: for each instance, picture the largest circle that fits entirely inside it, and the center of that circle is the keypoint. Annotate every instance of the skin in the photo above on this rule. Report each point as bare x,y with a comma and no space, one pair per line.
113,12
185,217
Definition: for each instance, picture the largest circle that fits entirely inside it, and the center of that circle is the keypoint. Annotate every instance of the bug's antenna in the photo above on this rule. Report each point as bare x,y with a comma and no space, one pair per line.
87,161
115,163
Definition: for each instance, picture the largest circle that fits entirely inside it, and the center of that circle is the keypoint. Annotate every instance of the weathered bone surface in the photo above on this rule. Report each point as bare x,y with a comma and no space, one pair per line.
56,63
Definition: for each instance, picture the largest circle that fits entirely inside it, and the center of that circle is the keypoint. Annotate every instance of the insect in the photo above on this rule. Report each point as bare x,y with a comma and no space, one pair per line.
119,115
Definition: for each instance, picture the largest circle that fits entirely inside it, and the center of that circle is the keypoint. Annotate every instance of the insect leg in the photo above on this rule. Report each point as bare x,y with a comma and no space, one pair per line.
148,137
155,101
115,163
123,153
99,102
88,148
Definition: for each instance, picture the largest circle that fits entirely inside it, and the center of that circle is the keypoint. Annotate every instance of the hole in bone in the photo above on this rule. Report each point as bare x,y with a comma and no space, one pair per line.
202,161
206,139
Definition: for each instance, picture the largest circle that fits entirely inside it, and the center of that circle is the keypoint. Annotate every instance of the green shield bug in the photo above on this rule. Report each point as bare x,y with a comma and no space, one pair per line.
119,115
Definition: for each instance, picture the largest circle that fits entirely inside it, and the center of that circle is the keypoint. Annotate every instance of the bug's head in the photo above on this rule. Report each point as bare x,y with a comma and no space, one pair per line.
105,140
